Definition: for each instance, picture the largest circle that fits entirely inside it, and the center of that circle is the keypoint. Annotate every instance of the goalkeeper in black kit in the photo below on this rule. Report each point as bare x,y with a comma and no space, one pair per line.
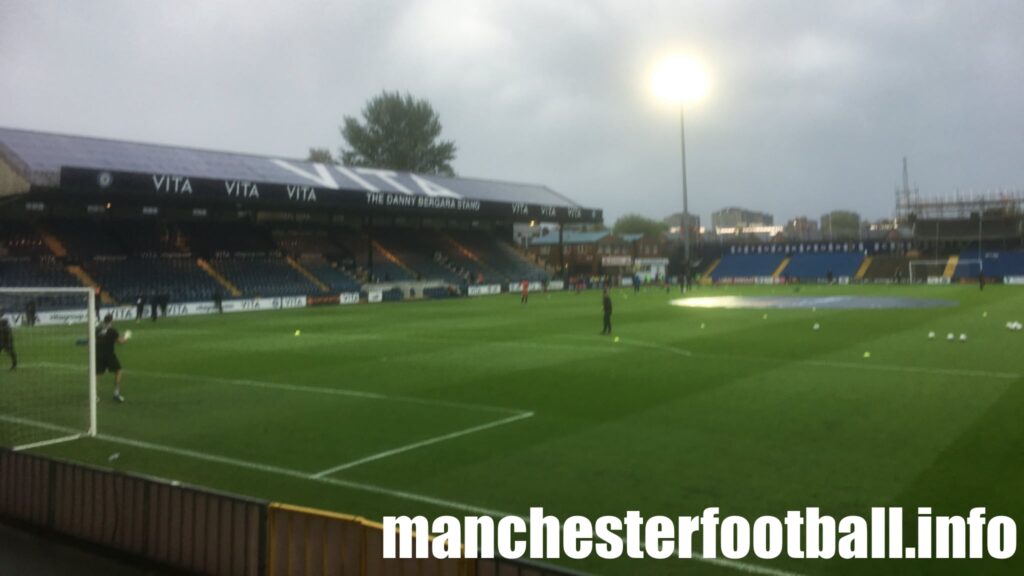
7,342
107,338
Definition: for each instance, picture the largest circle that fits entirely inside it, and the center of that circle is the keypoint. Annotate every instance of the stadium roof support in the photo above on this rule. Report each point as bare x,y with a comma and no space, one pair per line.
960,205
63,164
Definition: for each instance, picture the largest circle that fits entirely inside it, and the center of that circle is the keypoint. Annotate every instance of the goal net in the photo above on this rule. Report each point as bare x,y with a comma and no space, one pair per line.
47,359
934,271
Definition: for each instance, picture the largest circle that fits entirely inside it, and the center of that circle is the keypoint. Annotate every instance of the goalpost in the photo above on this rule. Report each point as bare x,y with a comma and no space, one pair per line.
50,396
923,270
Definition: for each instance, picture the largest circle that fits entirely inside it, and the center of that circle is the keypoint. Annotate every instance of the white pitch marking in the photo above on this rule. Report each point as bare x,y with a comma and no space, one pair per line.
306,389
423,443
43,443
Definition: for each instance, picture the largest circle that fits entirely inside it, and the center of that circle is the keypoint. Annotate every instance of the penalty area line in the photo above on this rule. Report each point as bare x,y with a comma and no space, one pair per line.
423,443
300,388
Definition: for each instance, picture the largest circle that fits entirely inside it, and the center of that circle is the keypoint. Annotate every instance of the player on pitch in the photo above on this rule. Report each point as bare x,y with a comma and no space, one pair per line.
107,338
7,341
606,304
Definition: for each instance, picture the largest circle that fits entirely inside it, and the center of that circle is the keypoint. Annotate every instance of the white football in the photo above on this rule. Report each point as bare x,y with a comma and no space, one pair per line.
950,336
817,326
127,334
931,335
963,337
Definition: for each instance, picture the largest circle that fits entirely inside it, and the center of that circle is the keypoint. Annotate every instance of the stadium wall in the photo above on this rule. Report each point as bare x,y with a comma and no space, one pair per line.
206,532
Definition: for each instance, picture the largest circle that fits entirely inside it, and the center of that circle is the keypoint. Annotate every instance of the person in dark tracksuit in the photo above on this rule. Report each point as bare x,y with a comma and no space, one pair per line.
607,304
140,307
7,342
107,338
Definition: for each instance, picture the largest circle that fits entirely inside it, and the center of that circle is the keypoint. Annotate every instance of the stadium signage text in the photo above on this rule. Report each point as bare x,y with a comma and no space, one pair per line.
168,184
335,187
240,189
127,312
426,202
484,290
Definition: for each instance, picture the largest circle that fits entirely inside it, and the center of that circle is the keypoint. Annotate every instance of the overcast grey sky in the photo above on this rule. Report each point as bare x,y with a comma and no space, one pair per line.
812,104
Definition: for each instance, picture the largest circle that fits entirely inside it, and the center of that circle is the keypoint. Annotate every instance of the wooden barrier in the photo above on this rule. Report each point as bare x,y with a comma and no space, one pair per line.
197,530
308,542
206,532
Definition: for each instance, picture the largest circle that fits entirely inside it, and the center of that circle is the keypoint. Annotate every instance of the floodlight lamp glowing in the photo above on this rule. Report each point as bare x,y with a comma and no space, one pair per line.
680,80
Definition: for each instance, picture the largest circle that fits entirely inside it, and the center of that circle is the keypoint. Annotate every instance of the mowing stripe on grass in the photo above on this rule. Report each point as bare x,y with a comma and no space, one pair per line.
422,443
358,486
297,388
818,363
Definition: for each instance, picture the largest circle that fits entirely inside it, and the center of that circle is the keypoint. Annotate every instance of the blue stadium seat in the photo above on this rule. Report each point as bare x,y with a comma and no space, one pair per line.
816,265
747,266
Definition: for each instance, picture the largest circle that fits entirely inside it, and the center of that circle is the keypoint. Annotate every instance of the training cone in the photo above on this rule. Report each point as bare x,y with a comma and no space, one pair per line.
298,332
867,354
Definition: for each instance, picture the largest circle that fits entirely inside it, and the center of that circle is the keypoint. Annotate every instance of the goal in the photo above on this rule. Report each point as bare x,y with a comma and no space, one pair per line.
933,271
47,366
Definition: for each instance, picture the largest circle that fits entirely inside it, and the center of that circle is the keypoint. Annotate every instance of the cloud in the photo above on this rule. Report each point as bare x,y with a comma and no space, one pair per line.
812,104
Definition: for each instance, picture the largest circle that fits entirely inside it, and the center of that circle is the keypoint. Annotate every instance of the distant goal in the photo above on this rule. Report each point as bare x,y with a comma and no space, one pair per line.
934,271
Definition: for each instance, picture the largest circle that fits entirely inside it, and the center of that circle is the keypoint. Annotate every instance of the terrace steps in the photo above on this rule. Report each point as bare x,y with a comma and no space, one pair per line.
55,245
394,259
863,270
86,280
782,266
307,274
706,277
462,249
951,267
218,277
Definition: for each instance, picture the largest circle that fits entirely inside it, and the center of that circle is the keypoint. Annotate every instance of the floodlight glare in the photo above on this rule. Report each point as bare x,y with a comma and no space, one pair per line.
680,80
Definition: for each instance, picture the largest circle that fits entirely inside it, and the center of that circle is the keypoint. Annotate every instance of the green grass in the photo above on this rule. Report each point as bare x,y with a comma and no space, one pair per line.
757,416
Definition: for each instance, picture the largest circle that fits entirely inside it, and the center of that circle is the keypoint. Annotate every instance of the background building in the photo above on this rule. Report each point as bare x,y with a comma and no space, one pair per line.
735,217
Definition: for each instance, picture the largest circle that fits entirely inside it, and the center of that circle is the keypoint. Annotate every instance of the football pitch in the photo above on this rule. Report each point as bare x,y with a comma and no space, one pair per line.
488,406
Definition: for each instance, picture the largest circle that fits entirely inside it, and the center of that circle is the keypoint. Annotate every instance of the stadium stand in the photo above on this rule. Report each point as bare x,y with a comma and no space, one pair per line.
26,272
85,239
336,279
994,264
128,278
21,239
229,238
814,266
264,276
499,256
993,227
414,249
747,266
884,268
